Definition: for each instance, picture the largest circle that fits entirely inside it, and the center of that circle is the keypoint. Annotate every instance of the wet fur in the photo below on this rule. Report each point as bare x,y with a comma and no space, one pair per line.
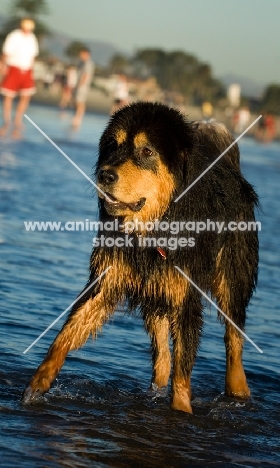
223,264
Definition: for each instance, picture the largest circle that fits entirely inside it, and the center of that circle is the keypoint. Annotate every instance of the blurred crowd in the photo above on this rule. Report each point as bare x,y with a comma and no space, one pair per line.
266,127
71,84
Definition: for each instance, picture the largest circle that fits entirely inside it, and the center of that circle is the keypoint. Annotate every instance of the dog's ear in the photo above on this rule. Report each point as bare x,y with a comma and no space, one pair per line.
187,149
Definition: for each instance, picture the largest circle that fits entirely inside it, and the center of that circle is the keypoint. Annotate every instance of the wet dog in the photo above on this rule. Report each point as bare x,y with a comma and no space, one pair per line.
148,155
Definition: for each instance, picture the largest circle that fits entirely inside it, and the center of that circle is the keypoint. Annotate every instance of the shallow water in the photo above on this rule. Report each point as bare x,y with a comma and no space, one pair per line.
99,412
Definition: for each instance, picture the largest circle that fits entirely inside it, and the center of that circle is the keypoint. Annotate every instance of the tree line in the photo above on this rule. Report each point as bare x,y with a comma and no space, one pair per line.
175,71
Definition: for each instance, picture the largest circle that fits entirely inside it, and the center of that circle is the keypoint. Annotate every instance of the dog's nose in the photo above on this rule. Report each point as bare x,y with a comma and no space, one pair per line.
107,177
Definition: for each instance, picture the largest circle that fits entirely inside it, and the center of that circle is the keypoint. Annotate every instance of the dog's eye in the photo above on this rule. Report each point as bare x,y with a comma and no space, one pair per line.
146,152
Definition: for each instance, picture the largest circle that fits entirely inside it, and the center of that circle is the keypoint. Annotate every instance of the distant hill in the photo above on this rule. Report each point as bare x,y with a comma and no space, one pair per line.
249,88
101,51
3,20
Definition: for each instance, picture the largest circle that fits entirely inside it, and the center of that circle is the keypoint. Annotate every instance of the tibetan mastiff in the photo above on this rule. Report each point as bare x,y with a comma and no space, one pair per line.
151,241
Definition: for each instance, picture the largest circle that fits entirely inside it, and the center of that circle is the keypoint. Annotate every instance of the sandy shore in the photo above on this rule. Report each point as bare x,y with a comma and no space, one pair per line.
100,102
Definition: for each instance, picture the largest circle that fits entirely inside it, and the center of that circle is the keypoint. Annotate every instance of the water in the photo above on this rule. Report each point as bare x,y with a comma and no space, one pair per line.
99,412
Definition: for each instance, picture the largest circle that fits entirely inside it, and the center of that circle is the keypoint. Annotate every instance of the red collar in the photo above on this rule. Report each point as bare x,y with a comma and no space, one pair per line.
162,253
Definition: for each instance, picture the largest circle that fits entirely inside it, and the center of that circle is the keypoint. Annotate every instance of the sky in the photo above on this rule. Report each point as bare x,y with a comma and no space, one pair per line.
240,37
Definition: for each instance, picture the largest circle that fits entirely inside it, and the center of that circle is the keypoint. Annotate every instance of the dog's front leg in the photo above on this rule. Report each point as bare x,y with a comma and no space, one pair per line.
85,318
186,327
158,329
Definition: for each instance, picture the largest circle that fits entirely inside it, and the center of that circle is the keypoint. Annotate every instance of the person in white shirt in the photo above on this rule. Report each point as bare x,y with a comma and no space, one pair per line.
19,51
121,95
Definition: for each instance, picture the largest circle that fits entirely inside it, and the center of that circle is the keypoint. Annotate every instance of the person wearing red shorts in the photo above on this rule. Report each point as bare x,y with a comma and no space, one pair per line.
19,51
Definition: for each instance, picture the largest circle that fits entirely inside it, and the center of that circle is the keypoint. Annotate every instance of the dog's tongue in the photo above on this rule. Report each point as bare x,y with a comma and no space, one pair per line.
138,205
110,199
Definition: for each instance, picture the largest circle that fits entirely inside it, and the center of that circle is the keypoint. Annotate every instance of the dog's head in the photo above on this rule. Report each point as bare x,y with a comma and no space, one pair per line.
141,158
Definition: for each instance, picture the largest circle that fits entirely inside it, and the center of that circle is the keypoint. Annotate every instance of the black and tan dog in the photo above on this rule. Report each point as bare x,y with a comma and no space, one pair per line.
148,155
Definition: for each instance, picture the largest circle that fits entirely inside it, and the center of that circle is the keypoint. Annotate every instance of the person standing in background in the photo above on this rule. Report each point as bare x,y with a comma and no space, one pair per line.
85,72
243,118
71,79
207,110
19,51
121,94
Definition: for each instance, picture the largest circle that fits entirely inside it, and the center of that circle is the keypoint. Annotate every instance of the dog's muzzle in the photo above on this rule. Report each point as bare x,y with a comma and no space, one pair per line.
108,177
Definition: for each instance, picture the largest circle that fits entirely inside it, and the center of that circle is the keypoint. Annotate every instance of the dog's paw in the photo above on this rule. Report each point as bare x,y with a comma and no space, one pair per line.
31,395
38,385
181,404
